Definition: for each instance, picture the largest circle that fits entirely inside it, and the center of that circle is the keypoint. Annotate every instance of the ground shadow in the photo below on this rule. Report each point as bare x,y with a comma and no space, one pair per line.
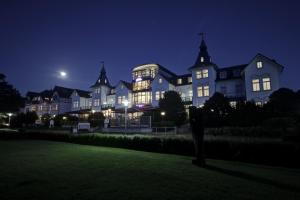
253,178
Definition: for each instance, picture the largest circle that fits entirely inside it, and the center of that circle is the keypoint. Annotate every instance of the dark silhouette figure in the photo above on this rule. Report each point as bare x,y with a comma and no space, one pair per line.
197,125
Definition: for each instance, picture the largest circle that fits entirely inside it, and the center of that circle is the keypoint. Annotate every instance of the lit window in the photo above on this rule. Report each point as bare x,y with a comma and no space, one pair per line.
205,73
75,104
255,85
206,91
157,95
200,91
259,65
179,81
160,80
198,74
202,59
162,95
258,103
119,99
233,104
190,93
189,79
266,83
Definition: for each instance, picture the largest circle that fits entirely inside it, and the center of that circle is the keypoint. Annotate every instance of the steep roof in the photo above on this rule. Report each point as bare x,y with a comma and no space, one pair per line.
232,72
102,79
127,84
83,93
203,59
63,91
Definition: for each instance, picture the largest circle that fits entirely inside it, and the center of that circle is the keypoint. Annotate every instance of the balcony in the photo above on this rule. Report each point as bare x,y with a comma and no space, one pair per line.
187,99
107,106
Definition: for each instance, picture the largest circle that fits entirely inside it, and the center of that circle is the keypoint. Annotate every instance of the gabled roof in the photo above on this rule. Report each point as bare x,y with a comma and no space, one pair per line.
63,92
267,58
232,72
184,78
166,70
82,93
127,84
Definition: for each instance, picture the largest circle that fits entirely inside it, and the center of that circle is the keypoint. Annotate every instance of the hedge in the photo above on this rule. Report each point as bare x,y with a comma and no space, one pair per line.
264,152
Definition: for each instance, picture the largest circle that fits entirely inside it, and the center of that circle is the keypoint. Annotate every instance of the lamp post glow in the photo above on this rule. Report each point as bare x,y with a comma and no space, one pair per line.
9,116
126,102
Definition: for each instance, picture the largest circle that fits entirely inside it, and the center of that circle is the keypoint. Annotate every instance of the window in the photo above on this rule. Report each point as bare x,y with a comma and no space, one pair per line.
206,91
202,73
179,81
200,91
97,102
255,85
203,91
205,73
157,95
119,99
142,97
75,104
198,74
266,83
189,79
160,80
259,64
232,104
223,75
202,59
190,93
258,103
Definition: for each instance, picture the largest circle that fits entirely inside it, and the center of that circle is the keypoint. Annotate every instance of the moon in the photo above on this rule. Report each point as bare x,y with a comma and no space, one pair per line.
63,74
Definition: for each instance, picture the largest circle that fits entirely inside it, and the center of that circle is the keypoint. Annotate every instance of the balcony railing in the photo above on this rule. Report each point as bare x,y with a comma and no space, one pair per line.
107,106
186,99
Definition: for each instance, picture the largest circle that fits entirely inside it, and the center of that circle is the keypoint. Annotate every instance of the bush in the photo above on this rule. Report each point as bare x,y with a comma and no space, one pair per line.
96,119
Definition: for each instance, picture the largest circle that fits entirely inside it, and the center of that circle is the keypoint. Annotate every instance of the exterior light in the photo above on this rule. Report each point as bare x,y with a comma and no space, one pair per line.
93,111
125,102
9,114
163,113
64,118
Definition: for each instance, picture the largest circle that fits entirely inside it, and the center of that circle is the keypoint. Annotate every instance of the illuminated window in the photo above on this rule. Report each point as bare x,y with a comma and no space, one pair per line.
232,104
259,65
206,91
255,85
189,79
266,83
179,81
119,99
157,95
202,59
258,103
142,97
162,94
200,91
160,80
190,93
205,73
202,74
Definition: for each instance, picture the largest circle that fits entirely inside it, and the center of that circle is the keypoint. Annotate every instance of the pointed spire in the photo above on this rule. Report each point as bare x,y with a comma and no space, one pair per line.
203,56
102,79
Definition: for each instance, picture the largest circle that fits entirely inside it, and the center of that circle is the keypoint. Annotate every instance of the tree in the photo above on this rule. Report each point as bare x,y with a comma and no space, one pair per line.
283,100
96,119
173,107
10,98
21,119
216,110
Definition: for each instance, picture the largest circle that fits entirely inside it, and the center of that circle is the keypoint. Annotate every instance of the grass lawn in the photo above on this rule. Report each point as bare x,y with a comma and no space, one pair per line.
53,170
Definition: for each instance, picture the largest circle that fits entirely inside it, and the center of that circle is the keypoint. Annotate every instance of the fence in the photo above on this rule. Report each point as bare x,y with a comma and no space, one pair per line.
138,122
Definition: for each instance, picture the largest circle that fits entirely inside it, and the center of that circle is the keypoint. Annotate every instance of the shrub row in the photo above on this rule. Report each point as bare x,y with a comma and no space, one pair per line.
271,153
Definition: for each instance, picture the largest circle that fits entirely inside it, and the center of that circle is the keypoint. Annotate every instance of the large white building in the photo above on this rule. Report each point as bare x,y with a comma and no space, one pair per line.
253,81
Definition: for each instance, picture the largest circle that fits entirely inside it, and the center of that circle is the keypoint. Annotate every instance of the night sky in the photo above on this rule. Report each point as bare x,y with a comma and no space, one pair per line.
39,38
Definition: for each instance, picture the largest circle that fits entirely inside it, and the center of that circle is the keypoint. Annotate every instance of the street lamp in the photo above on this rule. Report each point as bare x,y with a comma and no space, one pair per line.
9,116
126,102
163,113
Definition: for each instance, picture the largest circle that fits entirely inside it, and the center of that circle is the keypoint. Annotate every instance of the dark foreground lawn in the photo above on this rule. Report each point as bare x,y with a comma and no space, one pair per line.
53,170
